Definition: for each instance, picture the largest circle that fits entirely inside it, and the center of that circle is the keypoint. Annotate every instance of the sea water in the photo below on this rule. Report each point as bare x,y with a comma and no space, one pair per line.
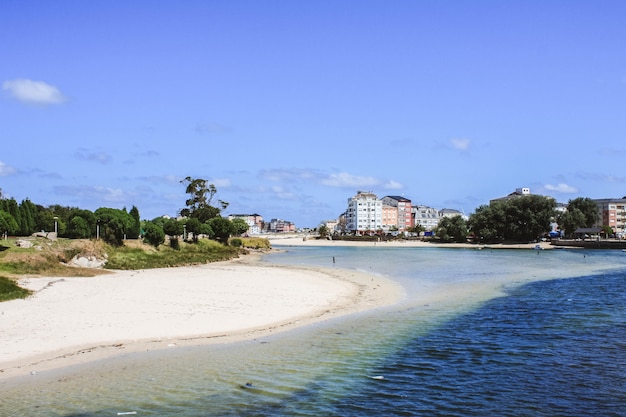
517,333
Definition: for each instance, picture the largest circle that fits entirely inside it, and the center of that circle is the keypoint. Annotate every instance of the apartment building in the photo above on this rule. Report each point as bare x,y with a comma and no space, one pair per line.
254,221
390,218
612,212
364,213
519,192
280,226
427,217
403,210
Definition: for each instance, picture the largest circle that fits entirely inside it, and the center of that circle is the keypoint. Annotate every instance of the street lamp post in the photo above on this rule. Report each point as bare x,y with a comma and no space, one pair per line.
56,226
98,230
184,232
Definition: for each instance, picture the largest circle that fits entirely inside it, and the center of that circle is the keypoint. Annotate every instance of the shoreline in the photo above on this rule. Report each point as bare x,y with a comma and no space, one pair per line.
74,321
303,240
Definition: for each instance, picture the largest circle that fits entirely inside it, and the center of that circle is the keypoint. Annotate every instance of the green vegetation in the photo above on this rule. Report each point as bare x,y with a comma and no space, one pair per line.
9,290
255,243
581,212
145,257
452,229
522,219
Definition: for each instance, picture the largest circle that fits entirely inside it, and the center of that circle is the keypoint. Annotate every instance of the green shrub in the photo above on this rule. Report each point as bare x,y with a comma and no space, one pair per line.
236,242
256,243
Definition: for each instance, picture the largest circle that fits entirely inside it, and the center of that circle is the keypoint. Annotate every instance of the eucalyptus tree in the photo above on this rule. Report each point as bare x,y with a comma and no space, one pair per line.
199,204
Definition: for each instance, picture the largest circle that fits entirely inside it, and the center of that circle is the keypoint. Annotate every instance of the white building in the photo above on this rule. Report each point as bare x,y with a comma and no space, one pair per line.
427,217
364,213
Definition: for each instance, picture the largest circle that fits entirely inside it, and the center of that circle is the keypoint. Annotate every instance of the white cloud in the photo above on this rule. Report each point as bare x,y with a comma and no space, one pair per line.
460,144
561,188
95,193
221,182
392,185
283,194
100,157
343,179
291,174
6,170
36,92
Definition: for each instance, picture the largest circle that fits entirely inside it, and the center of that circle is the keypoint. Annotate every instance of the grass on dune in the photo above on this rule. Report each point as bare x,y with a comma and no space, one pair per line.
52,258
9,290
205,251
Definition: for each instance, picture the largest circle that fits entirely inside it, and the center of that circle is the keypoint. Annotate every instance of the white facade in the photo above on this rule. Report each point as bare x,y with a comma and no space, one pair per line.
427,217
364,213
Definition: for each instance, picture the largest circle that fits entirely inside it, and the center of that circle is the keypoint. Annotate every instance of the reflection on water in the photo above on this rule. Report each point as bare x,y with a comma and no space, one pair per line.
465,354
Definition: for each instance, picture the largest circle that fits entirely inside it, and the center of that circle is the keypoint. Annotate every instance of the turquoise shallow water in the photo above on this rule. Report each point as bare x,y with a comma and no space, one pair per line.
521,333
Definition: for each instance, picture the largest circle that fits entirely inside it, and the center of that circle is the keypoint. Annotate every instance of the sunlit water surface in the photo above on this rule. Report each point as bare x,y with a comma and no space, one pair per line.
519,333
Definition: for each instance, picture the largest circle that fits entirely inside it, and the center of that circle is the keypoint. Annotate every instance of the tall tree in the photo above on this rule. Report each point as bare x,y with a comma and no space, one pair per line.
581,212
8,224
82,224
452,229
27,212
114,224
201,195
135,229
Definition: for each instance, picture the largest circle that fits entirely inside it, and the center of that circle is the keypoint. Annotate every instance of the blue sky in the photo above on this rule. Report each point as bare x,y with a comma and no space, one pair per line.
290,107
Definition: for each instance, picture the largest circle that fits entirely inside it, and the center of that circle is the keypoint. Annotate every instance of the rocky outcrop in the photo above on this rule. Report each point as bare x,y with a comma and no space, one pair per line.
89,261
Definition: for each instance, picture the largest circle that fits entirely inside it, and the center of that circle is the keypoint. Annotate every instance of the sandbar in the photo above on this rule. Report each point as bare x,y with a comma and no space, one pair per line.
70,321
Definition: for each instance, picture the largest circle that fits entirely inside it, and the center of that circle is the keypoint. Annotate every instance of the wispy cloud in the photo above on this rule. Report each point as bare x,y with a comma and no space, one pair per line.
460,144
100,157
34,92
392,185
204,128
96,193
346,180
561,188
589,176
6,170
283,194
294,174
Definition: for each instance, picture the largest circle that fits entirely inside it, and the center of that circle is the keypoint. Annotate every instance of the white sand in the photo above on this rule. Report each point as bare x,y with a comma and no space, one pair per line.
75,320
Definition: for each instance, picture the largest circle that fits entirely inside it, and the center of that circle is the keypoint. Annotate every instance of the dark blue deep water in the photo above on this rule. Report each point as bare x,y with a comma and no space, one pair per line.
550,342
550,348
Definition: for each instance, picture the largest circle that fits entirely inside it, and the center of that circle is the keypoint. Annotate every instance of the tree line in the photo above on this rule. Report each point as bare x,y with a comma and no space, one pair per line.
521,219
198,217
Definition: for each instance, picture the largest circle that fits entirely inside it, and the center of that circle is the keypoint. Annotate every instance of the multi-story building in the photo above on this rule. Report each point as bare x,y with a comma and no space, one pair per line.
519,192
404,213
390,218
280,226
364,213
254,221
612,213
427,217
451,213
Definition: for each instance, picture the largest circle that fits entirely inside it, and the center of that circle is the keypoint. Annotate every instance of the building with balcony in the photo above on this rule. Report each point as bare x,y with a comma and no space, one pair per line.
254,222
364,213
612,213
427,217
403,207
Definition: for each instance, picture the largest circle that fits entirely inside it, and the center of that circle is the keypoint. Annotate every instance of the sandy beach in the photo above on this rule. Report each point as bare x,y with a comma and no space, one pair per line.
68,321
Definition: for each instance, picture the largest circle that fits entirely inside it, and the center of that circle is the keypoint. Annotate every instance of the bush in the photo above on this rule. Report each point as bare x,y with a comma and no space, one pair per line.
256,243
236,242
153,234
